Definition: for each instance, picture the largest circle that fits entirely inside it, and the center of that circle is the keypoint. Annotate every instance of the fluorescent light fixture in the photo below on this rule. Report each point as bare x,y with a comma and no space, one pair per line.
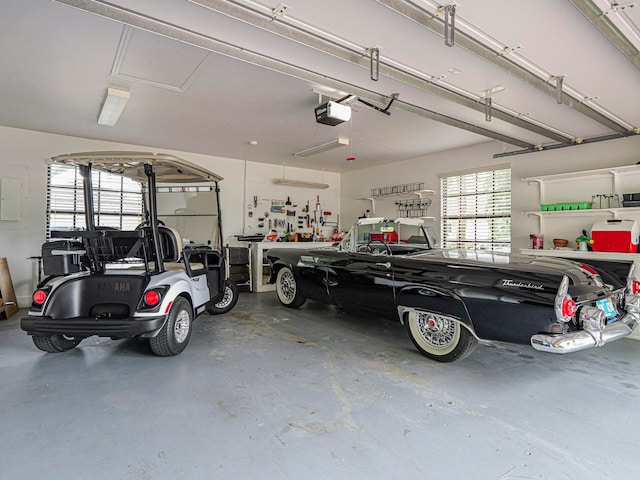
301,183
113,106
323,147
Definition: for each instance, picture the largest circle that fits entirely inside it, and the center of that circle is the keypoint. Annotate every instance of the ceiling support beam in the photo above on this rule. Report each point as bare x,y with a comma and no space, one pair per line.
602,138
591,11
433,23
159,27
361,58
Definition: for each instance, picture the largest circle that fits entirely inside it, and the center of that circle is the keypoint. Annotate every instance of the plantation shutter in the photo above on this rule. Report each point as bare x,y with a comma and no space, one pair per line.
476,210
117,200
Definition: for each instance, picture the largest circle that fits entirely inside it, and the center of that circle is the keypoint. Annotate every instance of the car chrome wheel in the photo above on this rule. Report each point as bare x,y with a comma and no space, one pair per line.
182,326
436,331
287,289
288,285
439,337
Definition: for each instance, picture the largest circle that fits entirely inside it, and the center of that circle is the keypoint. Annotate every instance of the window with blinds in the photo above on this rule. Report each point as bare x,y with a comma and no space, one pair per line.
117,200
476,210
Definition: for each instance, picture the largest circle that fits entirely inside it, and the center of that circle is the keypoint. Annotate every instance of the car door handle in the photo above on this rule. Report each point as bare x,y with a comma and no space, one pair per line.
385,265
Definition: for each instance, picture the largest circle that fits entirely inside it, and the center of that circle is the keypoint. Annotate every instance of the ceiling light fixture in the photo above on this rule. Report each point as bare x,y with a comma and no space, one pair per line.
113,105
323,147
301,183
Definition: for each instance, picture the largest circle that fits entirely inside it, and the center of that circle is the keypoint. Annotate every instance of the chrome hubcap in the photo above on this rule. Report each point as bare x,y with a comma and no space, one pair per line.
288,285
436,331
226,300
181,327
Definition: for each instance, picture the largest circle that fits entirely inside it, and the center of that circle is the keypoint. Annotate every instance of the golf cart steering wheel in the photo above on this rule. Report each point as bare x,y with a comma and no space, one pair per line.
146,224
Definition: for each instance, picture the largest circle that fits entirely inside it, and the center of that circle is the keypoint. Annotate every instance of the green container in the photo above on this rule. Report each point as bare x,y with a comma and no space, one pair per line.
577,206
557,207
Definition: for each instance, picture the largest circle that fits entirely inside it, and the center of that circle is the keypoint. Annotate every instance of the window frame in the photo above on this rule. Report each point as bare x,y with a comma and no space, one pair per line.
471,209
126,196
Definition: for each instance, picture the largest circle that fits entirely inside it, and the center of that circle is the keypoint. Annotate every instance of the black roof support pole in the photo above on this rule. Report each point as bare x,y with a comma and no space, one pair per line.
219,218
87,186
153,217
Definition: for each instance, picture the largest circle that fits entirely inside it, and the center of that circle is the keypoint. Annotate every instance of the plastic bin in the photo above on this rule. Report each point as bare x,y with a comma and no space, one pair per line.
556,207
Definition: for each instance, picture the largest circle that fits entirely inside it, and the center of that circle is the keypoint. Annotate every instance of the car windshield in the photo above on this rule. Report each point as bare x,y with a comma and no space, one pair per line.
391,232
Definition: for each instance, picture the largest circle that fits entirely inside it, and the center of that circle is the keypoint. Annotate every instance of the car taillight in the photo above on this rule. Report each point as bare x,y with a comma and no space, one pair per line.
568,307
635,287
565,306
39,297
151,298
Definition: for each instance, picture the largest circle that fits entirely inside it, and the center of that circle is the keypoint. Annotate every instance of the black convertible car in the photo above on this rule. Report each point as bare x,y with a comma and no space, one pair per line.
450,299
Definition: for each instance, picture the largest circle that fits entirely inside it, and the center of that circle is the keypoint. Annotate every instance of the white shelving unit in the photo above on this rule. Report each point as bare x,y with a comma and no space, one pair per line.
614,213
611,175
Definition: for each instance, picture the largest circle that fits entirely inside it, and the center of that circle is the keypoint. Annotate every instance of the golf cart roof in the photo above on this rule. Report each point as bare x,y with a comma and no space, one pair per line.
167,168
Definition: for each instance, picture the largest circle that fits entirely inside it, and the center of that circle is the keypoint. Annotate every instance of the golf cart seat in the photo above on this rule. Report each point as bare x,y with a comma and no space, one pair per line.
171,244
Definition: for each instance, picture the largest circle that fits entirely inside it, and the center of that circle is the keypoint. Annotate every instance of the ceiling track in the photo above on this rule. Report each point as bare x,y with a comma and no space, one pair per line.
463,40
602,138
608,29
359,57
159,27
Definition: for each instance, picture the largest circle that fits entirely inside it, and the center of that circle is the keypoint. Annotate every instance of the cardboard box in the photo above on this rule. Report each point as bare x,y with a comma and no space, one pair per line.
615,236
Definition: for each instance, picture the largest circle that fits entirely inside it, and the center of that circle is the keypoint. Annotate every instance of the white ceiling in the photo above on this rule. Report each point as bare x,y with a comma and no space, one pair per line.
212,82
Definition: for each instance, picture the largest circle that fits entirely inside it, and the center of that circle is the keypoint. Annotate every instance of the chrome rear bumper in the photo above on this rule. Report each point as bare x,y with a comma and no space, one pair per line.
583,339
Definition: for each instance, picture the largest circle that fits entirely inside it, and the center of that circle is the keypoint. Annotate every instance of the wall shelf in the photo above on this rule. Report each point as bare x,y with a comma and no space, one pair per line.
612,172
616,213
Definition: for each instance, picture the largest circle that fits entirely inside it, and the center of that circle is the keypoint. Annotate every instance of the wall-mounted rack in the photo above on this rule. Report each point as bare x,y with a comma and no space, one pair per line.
413,208
401,189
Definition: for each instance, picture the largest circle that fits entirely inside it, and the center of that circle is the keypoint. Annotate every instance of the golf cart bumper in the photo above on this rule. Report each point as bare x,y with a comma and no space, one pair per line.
83,327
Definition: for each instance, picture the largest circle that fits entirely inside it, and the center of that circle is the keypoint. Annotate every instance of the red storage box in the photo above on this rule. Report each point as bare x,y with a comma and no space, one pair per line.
615,236
391,237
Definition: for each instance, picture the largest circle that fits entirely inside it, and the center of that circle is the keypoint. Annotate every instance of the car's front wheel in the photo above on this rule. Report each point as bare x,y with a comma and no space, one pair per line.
287,289
439,337
174,336
55,343
228,301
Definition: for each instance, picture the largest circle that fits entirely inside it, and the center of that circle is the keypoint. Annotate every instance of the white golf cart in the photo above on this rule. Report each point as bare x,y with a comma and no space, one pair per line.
136,283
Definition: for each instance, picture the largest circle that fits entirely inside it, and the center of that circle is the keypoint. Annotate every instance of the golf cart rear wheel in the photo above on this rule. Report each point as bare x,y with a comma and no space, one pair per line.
174,336
228,301
55,343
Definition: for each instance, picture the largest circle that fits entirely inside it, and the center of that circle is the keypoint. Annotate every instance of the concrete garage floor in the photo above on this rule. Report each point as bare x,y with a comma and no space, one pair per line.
271,393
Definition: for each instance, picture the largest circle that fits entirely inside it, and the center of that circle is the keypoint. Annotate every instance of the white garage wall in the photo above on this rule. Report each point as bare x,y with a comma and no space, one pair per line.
24,153
23,156
524,197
